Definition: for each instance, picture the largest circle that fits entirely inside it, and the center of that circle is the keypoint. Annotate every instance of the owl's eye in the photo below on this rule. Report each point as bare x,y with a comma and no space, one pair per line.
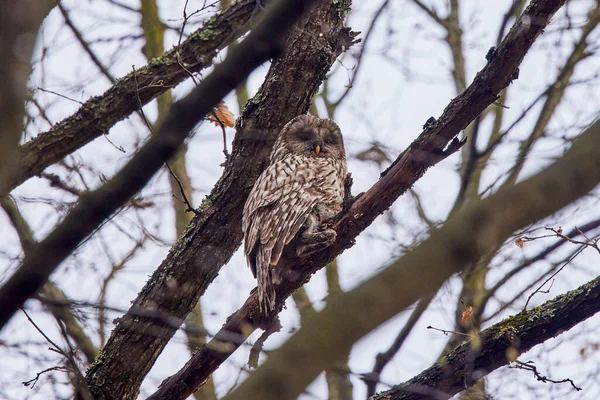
331,139
305,135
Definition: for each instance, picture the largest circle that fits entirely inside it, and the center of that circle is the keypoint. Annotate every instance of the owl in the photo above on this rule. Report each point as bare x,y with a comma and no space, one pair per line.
302,187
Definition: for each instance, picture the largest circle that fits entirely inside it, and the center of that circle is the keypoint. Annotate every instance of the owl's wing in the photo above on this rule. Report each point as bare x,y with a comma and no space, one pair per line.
278,206
283,220
274,183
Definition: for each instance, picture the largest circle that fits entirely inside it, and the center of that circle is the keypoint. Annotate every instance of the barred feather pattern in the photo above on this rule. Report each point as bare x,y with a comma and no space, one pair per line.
298,183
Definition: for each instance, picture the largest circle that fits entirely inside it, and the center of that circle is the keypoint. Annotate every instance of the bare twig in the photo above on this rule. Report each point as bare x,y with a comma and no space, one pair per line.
57,182
528,366
448,332
179,62
41,332
71,364
539,289
222,125
429,11
593,243
540,256
184,198
365,40
33,381
123,6
512,12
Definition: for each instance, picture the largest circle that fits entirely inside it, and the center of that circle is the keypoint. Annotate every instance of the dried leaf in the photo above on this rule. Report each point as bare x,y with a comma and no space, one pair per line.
221,113
466,315
519,242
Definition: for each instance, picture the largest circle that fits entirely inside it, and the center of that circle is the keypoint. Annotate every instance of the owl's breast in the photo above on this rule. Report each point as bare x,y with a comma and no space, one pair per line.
330,181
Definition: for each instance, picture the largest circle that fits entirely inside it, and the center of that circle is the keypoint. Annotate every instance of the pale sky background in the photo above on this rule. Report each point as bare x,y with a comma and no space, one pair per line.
404,80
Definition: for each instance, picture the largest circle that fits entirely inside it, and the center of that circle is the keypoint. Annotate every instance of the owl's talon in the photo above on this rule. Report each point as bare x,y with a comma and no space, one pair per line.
312,242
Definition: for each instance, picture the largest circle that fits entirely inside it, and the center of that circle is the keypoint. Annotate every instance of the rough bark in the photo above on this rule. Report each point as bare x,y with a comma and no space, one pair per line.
427,150
499,345
99,114
215,233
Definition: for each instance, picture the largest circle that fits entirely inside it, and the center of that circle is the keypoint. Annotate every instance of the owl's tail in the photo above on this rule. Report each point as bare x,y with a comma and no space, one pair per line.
264,278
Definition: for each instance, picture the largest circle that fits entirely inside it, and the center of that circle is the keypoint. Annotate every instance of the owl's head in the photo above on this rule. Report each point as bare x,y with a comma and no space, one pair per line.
310,136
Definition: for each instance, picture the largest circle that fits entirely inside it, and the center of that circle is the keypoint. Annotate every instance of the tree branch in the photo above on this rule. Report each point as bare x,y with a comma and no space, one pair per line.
85,45
99,114
555,94
51,297
490,351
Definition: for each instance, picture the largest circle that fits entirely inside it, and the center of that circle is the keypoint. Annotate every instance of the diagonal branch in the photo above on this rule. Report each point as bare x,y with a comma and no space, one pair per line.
513,336
427,150
51,297
99,114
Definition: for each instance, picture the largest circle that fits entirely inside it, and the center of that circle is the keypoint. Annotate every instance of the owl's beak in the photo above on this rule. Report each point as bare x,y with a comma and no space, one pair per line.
317,149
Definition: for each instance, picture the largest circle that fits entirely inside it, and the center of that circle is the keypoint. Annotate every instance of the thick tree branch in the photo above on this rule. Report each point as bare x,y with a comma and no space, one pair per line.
499,345
99,114
94,207
215,233
466,235
428,149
